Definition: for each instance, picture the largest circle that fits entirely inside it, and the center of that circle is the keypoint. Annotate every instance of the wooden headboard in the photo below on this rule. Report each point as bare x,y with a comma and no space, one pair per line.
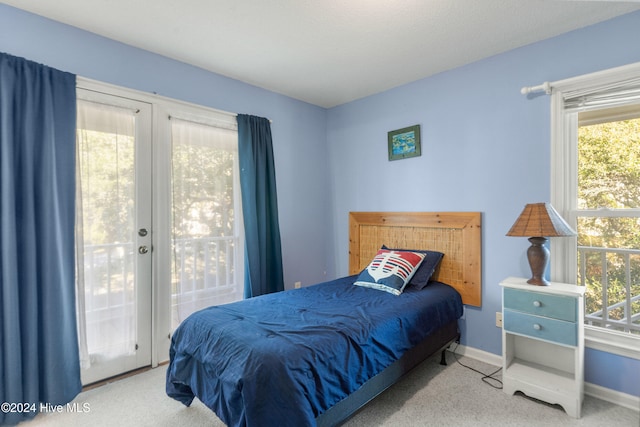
456,234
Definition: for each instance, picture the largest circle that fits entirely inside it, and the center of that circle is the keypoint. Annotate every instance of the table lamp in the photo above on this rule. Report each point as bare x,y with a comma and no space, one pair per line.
539,221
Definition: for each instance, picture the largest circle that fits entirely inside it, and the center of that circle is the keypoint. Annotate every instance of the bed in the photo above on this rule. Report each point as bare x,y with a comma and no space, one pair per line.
315,355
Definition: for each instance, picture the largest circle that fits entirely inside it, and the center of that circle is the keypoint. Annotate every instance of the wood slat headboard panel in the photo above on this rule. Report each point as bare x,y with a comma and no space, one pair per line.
456,234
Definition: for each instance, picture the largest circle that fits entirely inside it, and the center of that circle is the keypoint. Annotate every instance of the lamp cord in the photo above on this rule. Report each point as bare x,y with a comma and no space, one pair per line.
486,378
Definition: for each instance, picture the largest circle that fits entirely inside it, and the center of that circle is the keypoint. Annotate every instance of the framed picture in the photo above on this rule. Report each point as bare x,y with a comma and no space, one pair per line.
404,143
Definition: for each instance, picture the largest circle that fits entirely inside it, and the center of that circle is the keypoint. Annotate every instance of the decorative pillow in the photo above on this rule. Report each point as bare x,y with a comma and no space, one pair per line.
428,266
390,271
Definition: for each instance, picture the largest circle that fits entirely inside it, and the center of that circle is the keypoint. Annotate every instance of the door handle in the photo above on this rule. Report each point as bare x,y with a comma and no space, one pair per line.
143,250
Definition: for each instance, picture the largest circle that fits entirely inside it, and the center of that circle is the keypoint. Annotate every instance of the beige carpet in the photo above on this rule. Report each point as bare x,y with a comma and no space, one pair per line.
431,395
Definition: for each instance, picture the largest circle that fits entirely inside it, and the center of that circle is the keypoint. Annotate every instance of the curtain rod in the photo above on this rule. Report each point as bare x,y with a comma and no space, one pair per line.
611,75
546,87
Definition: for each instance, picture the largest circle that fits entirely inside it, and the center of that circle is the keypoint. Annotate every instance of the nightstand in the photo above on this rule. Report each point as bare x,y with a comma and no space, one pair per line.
543,342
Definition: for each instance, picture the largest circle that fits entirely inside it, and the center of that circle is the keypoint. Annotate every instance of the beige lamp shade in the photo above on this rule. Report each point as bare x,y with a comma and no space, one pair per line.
540,220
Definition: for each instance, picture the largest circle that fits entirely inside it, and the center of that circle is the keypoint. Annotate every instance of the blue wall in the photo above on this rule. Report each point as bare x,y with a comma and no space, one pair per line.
485,147
611,371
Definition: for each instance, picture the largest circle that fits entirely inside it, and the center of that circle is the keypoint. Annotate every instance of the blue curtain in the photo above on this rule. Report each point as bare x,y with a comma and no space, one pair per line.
39,360
263,254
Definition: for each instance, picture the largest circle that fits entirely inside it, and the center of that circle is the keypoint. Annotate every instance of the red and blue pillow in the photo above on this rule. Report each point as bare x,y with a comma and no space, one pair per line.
390,270
427,268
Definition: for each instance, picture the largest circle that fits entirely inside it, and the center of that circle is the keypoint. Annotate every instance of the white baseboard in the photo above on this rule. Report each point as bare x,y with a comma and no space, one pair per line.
622,399
481,355
593,390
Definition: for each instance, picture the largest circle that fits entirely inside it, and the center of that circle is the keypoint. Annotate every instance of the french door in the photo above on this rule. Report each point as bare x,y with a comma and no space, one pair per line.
146,263
113,234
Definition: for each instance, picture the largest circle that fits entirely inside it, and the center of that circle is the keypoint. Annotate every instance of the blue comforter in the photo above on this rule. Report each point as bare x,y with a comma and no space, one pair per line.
283,359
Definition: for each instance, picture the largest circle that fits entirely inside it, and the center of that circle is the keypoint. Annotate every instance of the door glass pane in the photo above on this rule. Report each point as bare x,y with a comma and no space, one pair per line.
205,229
106,223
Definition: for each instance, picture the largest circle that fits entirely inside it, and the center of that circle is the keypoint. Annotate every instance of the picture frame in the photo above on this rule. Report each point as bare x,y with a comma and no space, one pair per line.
404,143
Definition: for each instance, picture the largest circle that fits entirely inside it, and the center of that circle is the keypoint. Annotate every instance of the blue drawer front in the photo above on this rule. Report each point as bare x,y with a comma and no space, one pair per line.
541,327
555,306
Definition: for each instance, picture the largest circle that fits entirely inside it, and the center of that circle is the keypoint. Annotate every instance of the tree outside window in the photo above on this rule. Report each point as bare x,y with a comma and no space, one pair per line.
607,218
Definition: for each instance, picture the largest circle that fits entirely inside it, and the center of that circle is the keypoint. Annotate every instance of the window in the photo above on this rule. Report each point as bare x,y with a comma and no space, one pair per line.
596,186
607,216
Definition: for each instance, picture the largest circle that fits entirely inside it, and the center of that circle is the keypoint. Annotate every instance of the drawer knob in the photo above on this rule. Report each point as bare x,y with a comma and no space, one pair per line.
537,327
537,303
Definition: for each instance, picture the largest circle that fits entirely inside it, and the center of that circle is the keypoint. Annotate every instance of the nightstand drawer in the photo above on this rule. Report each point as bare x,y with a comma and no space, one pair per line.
543,328
548,305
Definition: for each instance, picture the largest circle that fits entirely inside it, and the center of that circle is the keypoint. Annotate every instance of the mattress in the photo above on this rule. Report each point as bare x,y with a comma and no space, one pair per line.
282,359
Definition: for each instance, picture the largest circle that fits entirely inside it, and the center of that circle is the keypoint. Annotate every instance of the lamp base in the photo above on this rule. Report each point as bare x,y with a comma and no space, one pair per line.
538,256
537,282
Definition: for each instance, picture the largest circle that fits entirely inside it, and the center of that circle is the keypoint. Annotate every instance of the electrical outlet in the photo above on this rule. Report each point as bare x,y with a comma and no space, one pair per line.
297,285
498,319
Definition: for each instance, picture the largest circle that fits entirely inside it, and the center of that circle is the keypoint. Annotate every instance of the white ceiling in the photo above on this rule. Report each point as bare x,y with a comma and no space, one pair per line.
327,52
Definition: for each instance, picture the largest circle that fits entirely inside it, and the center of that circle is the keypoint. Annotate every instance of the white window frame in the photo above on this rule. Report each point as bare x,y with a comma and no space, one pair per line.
162,109
564,188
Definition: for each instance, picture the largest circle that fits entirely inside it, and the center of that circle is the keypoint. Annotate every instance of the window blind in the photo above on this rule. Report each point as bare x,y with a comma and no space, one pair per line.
602,96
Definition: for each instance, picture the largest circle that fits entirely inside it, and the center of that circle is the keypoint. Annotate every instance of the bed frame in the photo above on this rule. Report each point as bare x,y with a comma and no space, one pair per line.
458,236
